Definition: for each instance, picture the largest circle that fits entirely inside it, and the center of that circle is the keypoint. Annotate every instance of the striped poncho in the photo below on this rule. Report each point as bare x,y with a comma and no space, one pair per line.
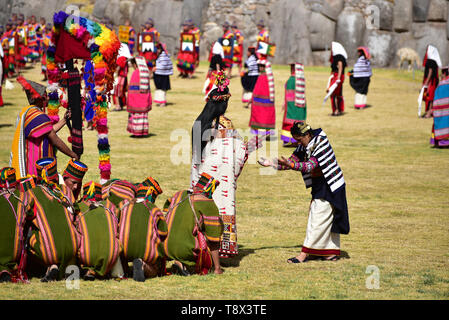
164,65
320,148
362,68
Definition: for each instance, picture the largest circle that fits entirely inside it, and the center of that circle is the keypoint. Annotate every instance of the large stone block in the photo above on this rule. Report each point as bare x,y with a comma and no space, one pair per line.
332,8
100,8
289,22
194,9
431,33
386,13
211,33
350,30
437,11
322,31
38,8
380,46
321,57
403,15
420,10
6,6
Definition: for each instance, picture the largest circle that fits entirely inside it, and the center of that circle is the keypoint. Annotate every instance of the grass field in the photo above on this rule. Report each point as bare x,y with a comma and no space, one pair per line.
397,190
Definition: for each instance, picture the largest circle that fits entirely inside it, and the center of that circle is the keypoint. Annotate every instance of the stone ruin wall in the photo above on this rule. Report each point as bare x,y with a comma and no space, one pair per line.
301,29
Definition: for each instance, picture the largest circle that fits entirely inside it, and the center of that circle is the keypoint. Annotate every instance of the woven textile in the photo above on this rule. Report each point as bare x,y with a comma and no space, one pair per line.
320,148
164,65
75,170
441,111
182,243
320,240
54,239
292,112
138,124
142,229
99,243
263,112
362,68
144,74
30,142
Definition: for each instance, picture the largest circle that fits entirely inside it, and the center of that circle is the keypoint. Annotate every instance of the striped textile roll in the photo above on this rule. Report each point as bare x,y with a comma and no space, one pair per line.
144,74
300,86
270,78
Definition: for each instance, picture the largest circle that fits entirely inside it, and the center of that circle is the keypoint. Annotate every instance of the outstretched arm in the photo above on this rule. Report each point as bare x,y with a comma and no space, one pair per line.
294,163
58,143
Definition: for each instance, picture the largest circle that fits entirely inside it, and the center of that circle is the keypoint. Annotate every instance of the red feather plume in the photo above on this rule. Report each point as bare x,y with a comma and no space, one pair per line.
27,87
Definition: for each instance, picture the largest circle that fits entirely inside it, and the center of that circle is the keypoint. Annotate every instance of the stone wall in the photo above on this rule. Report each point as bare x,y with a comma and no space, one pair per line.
302,29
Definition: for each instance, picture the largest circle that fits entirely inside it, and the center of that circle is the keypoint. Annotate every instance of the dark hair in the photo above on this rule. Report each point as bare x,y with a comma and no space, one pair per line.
211,111
300,128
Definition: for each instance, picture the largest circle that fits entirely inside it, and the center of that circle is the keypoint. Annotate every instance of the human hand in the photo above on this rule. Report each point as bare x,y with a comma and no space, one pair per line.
75,156
283,161
265,162
68,115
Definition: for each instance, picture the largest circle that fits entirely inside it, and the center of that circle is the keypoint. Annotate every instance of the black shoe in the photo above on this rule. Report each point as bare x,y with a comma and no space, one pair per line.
182,271
5,277
89,277
52,275
138,274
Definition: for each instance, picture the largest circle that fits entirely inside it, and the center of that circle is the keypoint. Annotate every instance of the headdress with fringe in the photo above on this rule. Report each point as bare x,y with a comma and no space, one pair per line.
206,185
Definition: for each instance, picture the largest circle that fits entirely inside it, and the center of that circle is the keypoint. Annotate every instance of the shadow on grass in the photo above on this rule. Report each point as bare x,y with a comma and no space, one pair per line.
243,252
5,125
143,137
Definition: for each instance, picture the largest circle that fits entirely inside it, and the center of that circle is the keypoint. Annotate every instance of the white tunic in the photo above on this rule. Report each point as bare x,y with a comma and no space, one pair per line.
223,159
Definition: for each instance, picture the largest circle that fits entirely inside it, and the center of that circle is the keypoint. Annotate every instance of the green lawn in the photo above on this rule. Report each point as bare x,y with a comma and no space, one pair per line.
397,190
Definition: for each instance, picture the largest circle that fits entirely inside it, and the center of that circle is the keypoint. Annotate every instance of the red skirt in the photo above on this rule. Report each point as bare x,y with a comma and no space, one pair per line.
263,111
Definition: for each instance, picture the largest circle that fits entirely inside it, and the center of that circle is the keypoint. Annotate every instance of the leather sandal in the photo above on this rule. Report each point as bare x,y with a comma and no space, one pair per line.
296,260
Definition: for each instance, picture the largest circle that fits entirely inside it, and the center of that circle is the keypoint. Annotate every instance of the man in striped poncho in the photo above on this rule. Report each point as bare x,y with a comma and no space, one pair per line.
328,214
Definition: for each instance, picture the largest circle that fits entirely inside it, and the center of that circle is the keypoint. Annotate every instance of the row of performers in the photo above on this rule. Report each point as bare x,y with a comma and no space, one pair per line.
189,44
148,39
259,90
23,42
45,229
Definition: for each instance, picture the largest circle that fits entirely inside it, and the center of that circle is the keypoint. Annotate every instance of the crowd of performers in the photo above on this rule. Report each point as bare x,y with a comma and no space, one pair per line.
114,229
53,221
22,41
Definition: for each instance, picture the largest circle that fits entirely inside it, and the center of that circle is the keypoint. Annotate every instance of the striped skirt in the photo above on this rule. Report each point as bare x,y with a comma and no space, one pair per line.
138,124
